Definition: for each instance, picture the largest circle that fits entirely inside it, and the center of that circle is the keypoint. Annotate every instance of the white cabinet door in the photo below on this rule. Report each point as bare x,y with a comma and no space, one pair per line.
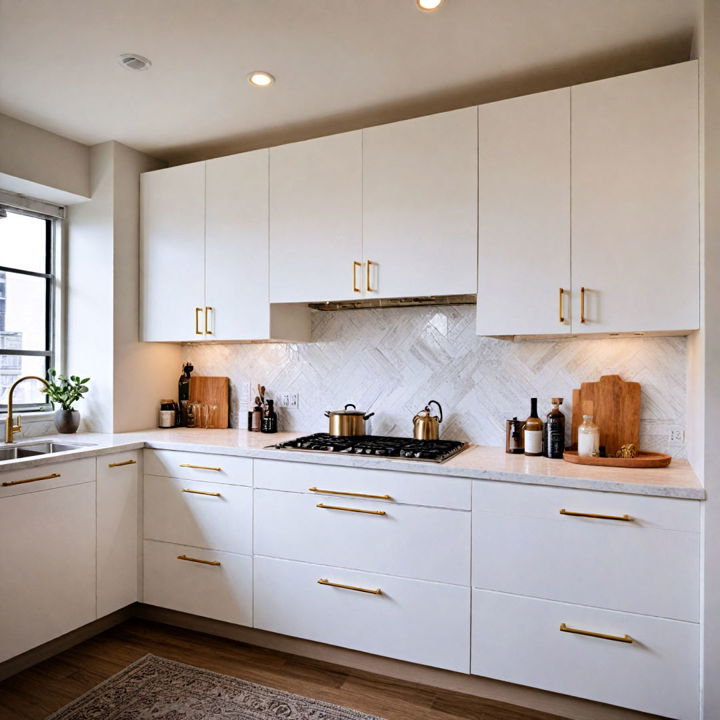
173,252
316,219
524,215
47,566
236,247
635,201
420,206
117,531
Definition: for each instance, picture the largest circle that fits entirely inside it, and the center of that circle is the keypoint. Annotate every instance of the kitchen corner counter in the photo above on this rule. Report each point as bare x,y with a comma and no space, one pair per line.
477,462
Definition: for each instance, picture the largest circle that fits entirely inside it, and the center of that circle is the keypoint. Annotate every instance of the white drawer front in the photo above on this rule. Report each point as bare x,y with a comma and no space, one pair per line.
222,592
633,566
181,511
404,488
411,620
45,477
417,542
519,640
199,466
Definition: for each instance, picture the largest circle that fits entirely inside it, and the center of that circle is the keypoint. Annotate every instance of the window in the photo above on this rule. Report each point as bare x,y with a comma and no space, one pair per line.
27,288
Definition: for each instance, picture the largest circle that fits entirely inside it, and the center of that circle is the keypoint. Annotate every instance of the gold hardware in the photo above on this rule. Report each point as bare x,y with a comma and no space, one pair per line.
337,507
11,429
582,305
590,633
8,483
201,492
200,467
197,321
367,275
624,518
324,581
351,494
207,324
356,265
120,464
562,316
214,563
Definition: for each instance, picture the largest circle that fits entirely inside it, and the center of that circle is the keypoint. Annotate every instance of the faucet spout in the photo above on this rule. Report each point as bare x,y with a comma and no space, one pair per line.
10,427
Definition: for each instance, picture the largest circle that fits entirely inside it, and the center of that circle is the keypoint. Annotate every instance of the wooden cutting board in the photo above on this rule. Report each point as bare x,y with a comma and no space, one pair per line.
212,391
615,407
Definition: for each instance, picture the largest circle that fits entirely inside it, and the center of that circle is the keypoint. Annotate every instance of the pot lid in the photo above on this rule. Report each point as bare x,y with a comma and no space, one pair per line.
345,411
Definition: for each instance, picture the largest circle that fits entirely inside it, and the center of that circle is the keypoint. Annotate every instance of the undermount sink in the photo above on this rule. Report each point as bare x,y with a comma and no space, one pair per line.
35,450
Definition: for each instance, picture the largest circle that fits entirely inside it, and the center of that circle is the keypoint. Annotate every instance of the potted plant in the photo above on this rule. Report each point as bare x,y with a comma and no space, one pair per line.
66,392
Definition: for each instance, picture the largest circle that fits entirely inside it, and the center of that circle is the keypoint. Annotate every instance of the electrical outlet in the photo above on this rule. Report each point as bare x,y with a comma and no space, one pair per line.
677,436
293,401
281,400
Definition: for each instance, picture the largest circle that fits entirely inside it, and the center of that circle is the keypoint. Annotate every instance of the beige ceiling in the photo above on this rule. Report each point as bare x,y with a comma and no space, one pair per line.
340,64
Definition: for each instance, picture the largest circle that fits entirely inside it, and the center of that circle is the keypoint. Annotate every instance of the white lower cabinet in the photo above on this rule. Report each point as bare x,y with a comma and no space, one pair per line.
209,583
519,640
421,622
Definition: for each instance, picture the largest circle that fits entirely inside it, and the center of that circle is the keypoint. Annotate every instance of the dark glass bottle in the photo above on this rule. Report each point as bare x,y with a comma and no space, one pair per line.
184,394
269,420
555,431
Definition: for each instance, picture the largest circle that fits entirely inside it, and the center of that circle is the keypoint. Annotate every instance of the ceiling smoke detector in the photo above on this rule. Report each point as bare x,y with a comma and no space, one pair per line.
132,61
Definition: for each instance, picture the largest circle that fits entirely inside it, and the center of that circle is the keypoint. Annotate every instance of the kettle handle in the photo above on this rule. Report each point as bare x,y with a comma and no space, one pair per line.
435,402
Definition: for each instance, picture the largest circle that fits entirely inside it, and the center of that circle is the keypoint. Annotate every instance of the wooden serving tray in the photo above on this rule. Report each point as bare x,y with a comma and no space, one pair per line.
642,460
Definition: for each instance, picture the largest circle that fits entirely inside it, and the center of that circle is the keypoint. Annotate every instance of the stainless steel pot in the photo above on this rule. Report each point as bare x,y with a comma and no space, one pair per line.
347,422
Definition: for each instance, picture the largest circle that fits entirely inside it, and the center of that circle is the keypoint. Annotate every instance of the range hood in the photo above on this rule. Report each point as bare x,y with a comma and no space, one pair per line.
395,302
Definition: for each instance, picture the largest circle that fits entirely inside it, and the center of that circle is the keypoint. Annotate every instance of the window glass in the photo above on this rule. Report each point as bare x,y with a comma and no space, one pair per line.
22,242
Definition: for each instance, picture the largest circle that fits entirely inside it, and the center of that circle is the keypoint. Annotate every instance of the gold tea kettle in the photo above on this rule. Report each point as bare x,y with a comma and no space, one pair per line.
425,425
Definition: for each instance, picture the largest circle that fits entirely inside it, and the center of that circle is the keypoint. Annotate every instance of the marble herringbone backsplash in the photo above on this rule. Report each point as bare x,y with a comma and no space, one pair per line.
392,361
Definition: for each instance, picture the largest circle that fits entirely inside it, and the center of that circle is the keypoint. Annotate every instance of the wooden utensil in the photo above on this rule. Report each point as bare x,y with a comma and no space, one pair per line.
641,460
615,407
212,391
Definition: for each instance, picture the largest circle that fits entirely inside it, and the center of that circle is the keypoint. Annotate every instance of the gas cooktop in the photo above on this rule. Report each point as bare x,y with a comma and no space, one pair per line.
378,445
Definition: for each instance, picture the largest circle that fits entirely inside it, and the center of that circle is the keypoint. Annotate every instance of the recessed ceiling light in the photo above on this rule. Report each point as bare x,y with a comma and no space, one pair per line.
429,5
260,78
133,61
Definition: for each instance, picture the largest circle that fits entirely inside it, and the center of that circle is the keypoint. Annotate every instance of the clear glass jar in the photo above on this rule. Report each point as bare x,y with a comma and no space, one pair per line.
588,438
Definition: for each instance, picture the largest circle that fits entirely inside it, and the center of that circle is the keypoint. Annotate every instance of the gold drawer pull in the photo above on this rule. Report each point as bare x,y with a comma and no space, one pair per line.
356,265
201,492
360,510
351,494
324,581
214,563
590,633
201,467
561,315
197,321
8,483
120,464
624,518
207,324
582,305
368,273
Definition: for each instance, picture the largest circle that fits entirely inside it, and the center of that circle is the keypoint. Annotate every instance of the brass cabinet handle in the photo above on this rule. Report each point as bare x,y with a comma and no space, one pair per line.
325,581
214,563
561,314
197,321
590,633
351,494
8,483
624,518
207,324
356,265
367,276
582,304
201,492
120,464
359,510
201,467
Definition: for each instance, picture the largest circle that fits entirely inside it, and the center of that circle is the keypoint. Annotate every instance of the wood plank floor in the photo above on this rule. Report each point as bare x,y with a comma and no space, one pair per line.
35,693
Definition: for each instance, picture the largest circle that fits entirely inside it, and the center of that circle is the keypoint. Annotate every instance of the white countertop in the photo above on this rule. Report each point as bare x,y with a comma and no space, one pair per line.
477,462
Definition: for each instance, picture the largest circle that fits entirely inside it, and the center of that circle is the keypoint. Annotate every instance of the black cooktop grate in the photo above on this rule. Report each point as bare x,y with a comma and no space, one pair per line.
377,445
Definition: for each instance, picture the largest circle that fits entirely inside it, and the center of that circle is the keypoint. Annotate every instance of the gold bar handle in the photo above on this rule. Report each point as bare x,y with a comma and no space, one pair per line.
214,563
624,518
197,321
346,509
325,581
351,494
8,483
590,633
207,324
201,492
201,467
356,265
120,464
368,271
561,313
582,304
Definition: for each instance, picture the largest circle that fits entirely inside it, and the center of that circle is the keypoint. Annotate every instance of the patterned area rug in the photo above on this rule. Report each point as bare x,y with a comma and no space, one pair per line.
154,688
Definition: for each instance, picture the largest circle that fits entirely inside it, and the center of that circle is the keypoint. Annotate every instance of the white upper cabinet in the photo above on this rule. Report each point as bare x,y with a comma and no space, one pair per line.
635,199
420,206
316,219
173,252
524,215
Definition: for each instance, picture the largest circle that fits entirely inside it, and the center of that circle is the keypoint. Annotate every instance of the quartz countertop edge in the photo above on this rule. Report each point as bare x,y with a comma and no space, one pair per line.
477,462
